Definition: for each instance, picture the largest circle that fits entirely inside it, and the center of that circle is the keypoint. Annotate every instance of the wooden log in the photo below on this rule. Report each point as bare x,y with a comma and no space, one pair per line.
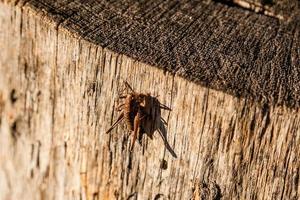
231,78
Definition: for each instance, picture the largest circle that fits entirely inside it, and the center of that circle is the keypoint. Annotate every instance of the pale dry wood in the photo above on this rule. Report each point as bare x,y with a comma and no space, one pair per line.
57,99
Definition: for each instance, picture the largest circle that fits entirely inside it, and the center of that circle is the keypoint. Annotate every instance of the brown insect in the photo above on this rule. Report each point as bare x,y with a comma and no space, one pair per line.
139,112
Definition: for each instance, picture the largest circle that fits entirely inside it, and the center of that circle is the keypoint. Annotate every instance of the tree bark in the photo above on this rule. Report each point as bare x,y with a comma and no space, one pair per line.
58,96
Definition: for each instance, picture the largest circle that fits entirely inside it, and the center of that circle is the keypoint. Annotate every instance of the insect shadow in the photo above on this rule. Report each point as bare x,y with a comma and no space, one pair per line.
142,114
155,122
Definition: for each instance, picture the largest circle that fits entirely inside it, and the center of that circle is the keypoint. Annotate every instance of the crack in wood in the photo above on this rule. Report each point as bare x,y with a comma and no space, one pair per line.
263,7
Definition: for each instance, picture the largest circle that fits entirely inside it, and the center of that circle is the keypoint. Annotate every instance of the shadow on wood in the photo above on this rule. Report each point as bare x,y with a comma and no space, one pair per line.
155,122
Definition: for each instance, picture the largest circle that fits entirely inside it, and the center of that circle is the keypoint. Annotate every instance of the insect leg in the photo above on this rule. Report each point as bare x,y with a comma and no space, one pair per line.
120,118
122,97
120,106
162,106
164,121
136,128
128,86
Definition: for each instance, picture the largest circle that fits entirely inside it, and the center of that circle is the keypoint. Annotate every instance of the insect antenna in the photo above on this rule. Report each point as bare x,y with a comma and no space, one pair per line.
120,118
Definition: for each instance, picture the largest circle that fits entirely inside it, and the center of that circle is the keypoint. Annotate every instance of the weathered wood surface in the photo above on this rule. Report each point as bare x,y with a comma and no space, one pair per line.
222,47
58,91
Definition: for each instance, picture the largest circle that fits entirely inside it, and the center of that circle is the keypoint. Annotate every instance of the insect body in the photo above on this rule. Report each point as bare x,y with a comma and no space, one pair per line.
139,112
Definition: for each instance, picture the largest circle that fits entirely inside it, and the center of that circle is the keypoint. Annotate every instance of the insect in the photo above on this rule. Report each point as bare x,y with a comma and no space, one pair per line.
139,111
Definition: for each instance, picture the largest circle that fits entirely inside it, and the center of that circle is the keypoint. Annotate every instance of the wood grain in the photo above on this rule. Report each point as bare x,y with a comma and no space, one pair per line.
223,47
58,92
